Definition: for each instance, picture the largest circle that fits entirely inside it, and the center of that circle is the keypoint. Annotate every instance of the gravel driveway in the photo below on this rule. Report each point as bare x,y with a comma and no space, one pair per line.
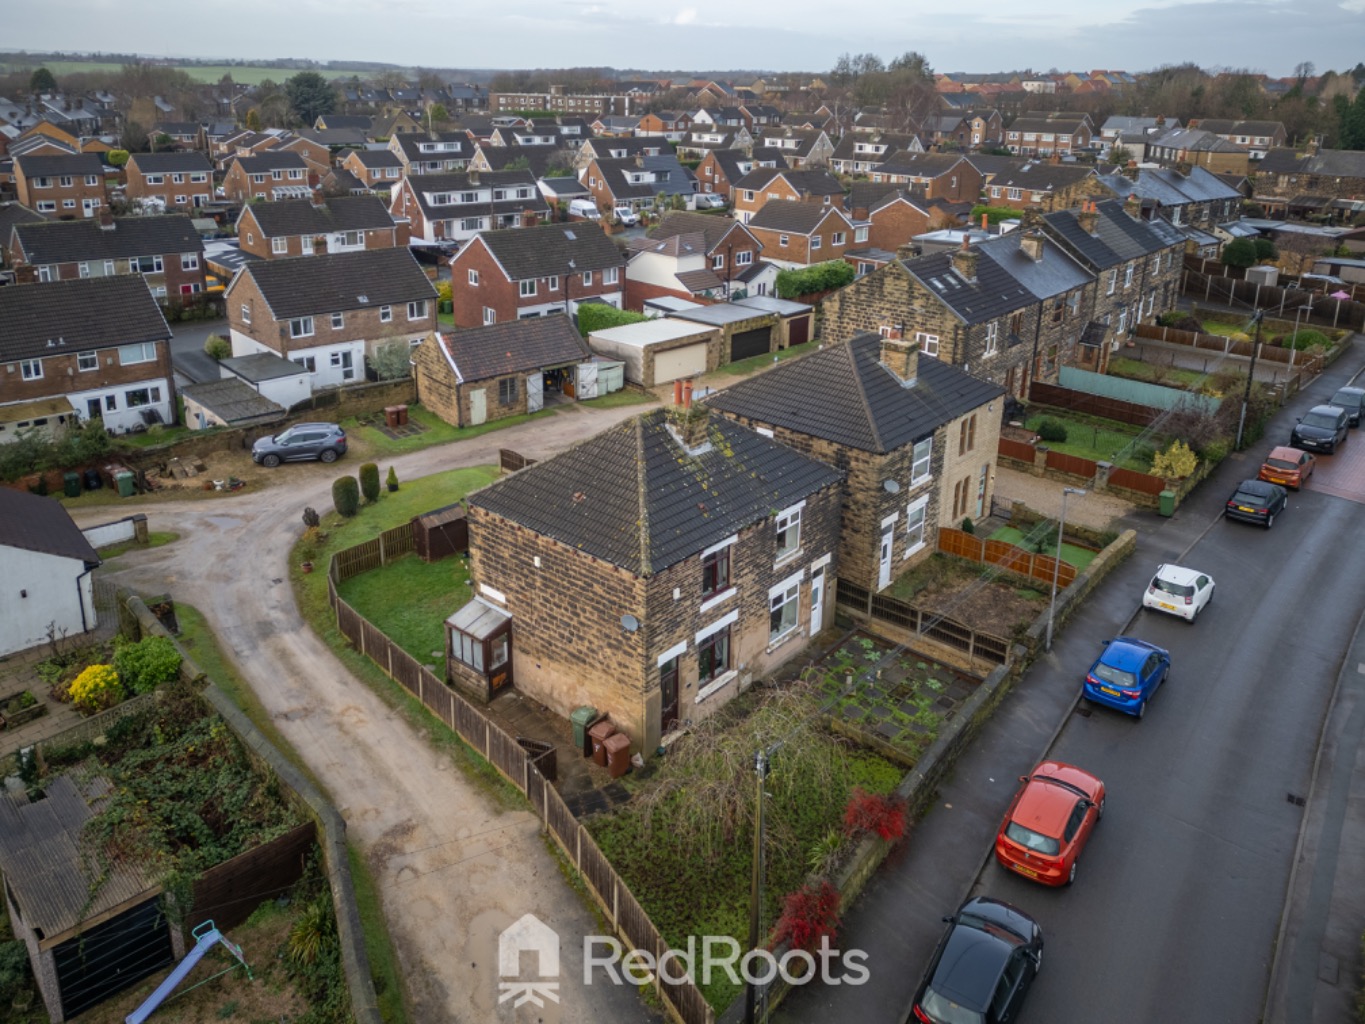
453,865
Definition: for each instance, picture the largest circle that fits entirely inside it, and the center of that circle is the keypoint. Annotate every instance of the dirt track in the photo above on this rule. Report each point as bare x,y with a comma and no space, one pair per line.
454,867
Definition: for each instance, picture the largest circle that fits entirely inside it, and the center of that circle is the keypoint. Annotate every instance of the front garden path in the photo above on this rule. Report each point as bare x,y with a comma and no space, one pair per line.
453,863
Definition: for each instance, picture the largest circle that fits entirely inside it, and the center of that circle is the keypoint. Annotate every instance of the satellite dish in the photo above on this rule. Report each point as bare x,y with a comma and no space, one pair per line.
891,486
630,623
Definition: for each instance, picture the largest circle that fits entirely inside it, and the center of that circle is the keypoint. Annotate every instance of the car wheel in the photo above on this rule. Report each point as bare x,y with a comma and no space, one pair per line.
270,461
1072,876
1270,520
328,455
1099,809
1141,711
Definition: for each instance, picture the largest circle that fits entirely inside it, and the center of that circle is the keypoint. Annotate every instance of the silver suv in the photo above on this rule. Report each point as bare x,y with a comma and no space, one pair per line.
325,441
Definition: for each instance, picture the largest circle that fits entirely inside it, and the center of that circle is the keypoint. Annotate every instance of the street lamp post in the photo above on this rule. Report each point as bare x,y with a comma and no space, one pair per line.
1057,562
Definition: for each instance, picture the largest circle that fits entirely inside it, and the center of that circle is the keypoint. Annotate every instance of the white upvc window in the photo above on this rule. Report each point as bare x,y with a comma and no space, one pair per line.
552,284
787,529
611,275
338,321
177,178
783,241
1113,282
417,309
527,288
385,314
718,261
246,313
1122,327
490,315
301,327
838,238
784,608
744,258
31,369
87,361
920,460
992,337
1128,276
46,273
915,514
141,352
189,261
280,245
928,343
155,179
815,241
474,278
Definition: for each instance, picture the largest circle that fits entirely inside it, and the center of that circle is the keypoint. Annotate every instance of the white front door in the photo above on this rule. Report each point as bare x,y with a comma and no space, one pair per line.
478,406
884,565
817,601
89,206
535,393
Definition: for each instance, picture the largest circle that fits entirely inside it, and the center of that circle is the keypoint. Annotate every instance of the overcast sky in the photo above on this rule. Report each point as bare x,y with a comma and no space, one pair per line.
1270,36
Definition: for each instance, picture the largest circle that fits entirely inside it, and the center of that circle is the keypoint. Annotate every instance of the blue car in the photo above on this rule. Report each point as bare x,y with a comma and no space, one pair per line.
1126,675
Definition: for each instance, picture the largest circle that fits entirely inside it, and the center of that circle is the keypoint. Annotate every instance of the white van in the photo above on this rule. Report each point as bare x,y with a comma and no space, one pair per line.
627,216
585,208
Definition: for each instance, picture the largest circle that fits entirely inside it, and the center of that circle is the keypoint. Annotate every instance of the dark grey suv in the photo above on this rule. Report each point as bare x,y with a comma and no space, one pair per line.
1321,429
325,441
1352,400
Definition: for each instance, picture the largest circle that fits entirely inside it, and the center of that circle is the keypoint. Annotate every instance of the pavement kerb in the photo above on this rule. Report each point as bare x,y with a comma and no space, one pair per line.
1277,959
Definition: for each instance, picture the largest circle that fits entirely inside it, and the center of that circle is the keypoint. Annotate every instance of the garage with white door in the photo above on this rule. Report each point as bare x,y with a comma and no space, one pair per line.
659,351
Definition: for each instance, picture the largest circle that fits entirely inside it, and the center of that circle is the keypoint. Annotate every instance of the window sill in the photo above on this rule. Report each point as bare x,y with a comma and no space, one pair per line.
720,598
789,557
714,685
774,644
913,550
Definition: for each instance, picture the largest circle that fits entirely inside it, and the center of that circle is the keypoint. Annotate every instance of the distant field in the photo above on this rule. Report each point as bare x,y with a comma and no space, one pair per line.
246,74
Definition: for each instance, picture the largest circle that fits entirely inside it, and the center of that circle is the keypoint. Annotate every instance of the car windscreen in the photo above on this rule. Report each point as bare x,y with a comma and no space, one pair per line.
1034,842
1346,400
1110,674
1249,498
941,1008
1281,464
1320,419
1177,589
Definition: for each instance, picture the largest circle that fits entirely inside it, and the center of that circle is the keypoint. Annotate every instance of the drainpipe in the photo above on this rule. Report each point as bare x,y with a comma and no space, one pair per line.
80,596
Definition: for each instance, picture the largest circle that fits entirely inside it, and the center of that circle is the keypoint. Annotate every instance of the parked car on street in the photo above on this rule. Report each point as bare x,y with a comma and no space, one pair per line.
708,201
302,441
1287,467
1256,501
1126,675
983,966
1179,590
627,216
1321,429
1049,822
1352,400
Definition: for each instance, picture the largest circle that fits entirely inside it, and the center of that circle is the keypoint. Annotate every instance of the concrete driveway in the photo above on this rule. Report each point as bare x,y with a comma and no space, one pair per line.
454,864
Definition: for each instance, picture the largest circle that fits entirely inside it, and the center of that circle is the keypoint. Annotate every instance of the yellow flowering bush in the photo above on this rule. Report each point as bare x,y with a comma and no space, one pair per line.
1176,462
96,688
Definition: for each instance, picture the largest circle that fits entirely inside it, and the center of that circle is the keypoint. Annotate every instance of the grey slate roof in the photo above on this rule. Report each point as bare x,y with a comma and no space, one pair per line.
537,157
545,250
1118,237
13,213
425,185
33,523
1342,163
795,218
167,163
1171,188
373,159
261,366
565,187
311,285
302,217
517,346
52,166
920,165
1039,175
232,399
271,160
69,241
59,312
634,497
844,394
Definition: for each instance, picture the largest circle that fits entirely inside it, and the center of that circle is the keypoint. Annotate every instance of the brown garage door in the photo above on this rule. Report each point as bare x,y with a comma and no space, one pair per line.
798,330
751,343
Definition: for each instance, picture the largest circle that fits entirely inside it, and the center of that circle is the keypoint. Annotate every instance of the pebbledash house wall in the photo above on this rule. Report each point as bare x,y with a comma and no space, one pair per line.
568,646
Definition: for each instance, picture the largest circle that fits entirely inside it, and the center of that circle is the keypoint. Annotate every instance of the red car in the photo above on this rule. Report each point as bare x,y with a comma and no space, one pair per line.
1049,821
1287,467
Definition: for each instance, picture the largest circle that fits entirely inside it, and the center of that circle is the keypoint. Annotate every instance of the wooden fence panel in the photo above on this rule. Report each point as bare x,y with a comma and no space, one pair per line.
562,824
1011,556
1073,464
407,671
354,561
470,724
957,542
230,892
1016,450
1135,481
594,866
894,611
439,698
511,461
376,643
1043,568
846,592
398,541
634,923
348,623
507,756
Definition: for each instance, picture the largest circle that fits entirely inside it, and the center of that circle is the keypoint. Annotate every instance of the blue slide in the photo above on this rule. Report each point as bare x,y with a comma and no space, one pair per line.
205,936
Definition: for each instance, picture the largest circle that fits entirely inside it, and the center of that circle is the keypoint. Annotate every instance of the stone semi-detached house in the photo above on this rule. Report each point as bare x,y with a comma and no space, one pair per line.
946,176
328,312
510,275
305,227
64,187
799,234
915,438
182,181
1334,175
653,571
1256,137
1189,199
763,185
166,252
267,176
58,360
988,309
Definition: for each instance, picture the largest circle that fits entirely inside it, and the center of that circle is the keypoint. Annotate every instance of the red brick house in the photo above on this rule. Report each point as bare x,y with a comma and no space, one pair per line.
114,367
378,169
691,255
305,227
511,275
721,168
1060,134
766,184
268,176
182,181
800,234
453,207
948,176
61,187
167,252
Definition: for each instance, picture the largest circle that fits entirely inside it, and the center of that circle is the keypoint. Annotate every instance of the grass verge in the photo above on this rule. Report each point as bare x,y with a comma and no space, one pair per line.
743,366
388,984
617,399
155,539
377,444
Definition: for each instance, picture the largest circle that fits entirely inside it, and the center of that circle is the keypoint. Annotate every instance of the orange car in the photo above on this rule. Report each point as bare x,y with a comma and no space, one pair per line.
1049,821
1287,467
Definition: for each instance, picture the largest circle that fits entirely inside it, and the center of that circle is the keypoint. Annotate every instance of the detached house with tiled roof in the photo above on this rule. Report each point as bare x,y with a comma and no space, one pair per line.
438,153
181,181
635,183
1060,134
378,169
511,275
268,176
689,554
61,187
882,411
692,255
721,168
307,227
328,313
763,185
801,150
800,234
948,176
166,252
62,361
861,152
454,207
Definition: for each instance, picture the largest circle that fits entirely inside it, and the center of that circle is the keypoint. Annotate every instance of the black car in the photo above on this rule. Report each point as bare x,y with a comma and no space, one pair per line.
1321,429
983,967
1256,501
1350,399
325,441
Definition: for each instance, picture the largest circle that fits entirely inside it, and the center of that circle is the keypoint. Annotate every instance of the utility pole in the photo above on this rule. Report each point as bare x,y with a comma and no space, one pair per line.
756,882
1251,375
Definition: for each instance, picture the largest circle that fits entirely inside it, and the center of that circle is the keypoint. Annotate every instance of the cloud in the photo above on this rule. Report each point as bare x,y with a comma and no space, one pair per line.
687,16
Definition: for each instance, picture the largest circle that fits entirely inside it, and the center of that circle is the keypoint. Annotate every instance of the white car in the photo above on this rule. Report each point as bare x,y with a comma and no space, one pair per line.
708,201
1178,590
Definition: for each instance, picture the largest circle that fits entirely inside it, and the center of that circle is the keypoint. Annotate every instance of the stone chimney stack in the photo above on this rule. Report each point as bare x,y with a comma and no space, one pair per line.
1133,206
964,261
319,245
1031,244
901,357
1088,217
106,219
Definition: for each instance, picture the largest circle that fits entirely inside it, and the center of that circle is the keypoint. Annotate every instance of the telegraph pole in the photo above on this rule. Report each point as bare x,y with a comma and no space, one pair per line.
1251,375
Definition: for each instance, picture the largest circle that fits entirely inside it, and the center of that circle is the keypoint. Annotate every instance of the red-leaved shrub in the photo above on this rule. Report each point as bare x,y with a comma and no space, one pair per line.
808,915
870,812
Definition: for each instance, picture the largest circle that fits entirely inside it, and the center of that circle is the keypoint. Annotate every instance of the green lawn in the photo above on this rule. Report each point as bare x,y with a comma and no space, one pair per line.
409,601
378,444
753,363
155,539
1090,437
1072,554
1171,376
617,399
207,73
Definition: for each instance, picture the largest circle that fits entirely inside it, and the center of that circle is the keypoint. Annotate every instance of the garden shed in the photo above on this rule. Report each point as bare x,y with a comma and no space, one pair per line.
441,532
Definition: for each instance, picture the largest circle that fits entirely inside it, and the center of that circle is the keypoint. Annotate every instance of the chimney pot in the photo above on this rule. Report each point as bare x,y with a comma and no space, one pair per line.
677,392
687,394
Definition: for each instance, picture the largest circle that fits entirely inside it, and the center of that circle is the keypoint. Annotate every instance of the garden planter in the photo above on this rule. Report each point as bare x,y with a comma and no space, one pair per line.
13,717
306,566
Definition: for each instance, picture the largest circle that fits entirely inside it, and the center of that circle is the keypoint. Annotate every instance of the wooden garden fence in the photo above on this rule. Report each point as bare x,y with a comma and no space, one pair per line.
948,631
1010,556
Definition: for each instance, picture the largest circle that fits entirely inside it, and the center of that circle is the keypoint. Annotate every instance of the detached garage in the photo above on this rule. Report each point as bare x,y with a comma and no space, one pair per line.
796,319
659,351
745,331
